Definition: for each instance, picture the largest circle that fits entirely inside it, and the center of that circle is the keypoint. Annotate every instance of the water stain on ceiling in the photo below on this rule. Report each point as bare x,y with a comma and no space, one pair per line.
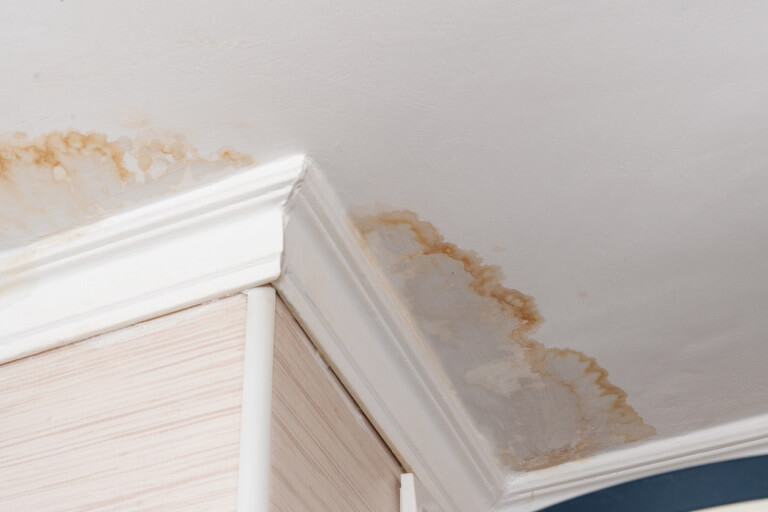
539,406
63,179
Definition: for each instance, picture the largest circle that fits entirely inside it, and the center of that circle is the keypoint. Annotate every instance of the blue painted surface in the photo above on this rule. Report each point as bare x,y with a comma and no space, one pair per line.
677,491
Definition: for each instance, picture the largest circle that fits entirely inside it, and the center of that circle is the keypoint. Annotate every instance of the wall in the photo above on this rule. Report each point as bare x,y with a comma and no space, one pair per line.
326,457
143,418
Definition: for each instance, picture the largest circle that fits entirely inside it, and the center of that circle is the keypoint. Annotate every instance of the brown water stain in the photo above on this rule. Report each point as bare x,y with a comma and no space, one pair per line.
539,406
55,150
58,149
61,179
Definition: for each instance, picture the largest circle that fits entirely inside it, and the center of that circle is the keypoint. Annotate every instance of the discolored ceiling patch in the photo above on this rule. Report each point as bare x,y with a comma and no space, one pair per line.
62,179
538,406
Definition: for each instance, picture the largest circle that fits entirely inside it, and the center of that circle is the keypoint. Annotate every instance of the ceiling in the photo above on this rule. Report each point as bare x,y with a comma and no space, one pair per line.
608,157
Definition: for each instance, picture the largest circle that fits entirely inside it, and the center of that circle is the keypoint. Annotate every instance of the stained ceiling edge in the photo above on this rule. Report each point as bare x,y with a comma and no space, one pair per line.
365,332
181,250
362,329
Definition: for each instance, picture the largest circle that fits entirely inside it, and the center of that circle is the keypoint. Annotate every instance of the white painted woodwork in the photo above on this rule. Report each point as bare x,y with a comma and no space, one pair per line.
178,251
413,496
325,455
146,418
256,413
359,324
747,506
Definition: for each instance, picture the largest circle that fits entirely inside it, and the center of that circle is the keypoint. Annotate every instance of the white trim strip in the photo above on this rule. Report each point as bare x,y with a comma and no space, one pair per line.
536,490
256,414
366,334
180,251
745,506
408,501
413,496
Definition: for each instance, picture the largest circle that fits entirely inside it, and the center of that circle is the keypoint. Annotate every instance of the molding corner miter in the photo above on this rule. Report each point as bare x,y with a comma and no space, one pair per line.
345,304
181,250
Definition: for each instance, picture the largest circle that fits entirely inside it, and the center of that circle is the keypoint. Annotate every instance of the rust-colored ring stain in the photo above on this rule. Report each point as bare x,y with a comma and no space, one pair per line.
58,148
62,179
554,404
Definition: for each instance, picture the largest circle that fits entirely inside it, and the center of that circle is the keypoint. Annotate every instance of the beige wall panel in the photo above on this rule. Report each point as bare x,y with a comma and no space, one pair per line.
143,419
325,455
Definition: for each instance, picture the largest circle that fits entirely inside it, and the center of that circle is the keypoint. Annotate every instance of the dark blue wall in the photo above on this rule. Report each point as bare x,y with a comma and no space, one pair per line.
688,489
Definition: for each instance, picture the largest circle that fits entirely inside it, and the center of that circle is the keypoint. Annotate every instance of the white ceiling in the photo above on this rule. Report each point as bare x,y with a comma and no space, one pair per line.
609,156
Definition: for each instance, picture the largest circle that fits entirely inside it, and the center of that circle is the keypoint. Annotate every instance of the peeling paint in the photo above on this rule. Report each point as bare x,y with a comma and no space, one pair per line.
539,406
62,179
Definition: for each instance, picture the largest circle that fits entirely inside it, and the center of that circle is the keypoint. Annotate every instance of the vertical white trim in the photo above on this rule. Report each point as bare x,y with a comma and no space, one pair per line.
360,325
408,493
253,480
413,496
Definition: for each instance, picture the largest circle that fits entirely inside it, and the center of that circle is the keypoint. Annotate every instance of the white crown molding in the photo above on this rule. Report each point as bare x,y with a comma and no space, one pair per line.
176,252
539,489
366,334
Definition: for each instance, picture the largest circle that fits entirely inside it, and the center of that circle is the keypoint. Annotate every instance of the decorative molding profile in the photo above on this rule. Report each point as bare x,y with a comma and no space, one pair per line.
366,334
539,489
179,251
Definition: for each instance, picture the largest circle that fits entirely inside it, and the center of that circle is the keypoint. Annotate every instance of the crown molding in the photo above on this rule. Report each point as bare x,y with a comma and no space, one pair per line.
176,252
533,491
366,334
